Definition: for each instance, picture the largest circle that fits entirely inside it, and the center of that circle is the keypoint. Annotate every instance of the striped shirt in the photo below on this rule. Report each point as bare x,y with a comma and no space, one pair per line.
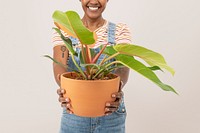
122,35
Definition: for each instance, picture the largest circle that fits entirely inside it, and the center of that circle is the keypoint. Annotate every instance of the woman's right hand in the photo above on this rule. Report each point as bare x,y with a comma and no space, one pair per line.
65,102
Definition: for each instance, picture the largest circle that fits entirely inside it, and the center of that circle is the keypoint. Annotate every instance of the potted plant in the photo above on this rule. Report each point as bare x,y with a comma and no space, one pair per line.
81,85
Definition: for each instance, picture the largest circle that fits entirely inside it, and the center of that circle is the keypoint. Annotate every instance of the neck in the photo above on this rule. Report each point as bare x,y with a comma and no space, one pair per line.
93,24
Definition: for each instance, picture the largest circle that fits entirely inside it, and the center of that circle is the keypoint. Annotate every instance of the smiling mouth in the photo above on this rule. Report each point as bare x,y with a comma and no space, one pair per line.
92,8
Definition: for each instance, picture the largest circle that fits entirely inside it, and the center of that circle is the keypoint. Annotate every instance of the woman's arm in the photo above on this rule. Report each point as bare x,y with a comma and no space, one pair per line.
60,53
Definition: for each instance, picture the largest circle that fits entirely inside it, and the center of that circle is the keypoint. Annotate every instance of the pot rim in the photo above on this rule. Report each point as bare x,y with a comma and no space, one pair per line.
63,77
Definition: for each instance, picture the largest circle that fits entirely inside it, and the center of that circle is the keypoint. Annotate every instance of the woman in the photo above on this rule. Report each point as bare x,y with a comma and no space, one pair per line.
107,32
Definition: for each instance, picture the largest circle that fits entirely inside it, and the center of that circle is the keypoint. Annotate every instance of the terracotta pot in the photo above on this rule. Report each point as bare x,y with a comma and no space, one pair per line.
88,97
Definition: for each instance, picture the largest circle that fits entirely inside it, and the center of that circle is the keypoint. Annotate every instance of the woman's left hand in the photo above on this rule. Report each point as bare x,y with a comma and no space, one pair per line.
113,106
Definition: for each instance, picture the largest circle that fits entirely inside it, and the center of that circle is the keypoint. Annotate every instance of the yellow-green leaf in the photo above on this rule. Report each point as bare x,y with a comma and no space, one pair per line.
133,64
71,23
149,56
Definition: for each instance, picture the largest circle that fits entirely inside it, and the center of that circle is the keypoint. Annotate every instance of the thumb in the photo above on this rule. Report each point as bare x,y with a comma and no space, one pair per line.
58,77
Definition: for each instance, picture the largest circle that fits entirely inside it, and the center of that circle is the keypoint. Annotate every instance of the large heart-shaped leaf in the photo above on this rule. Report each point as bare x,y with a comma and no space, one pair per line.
149,56
71,23
130,62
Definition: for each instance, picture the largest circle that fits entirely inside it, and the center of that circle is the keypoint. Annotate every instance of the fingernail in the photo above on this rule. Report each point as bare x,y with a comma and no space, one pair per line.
67,99
107,109
108,114
113,95
107,104
68,105
62,91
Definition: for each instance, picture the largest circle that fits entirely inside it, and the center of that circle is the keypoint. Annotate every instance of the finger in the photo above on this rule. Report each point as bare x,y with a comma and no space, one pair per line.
62,99
69,111
112,104
67,99
64,105
58,77
108,113
68,105
69,108
60,91
117,94
110,109
121,85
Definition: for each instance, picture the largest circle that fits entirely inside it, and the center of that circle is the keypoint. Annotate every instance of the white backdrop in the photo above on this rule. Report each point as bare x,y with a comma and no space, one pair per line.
28,98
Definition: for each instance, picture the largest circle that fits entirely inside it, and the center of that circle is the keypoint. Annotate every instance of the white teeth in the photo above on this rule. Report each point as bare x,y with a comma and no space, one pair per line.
93,8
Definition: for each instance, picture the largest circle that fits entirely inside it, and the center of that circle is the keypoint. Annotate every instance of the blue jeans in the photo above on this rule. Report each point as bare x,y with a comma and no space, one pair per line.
113,123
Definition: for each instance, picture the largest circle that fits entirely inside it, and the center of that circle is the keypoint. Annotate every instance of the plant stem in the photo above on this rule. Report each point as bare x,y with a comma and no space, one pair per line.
88,58
114,62
80,70
110,57
106,66
103,60
100,52
83,54
88,54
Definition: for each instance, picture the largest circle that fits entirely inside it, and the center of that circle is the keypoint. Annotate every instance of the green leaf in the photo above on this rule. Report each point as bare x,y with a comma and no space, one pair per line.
62,65
93,65
130,62
109,50
67,42
71,23
154,68
151,57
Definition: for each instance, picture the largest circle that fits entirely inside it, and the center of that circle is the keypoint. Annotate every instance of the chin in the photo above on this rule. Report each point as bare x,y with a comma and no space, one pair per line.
93,16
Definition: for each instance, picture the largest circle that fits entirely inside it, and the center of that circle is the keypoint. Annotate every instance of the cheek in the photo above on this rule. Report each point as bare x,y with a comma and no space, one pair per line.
104,3
84,1
104,6
83,5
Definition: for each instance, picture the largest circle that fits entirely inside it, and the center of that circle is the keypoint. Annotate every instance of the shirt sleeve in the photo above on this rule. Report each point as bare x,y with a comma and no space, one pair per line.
56,39
123,34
